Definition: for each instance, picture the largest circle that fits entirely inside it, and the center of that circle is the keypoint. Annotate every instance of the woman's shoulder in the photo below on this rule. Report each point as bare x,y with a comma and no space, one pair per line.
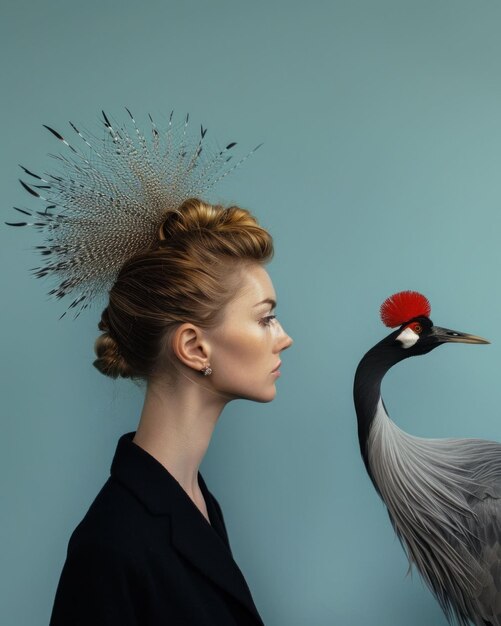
116,520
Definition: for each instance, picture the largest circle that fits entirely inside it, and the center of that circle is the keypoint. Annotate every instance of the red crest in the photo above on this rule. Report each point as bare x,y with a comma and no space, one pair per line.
403,306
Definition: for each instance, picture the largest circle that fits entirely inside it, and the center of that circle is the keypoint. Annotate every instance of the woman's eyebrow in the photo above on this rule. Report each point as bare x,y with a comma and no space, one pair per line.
267,301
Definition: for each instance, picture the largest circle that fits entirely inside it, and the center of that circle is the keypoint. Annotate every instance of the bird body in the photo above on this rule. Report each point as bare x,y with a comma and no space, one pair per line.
443,495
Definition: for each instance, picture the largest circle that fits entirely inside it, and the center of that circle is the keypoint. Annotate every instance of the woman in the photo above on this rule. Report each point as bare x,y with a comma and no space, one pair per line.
194,319
190,314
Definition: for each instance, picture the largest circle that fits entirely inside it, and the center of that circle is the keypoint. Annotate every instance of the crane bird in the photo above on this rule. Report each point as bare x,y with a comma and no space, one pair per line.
443,495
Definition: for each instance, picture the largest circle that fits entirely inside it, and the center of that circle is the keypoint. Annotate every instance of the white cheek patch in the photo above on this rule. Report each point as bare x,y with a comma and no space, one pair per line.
407,338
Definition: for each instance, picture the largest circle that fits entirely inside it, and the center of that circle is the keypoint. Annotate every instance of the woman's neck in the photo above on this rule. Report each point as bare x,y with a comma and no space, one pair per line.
176,427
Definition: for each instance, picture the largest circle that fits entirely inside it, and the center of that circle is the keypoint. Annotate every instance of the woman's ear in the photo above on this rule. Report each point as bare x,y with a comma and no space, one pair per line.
190,346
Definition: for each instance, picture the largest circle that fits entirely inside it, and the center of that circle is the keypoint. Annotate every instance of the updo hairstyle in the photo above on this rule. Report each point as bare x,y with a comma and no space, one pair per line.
189,276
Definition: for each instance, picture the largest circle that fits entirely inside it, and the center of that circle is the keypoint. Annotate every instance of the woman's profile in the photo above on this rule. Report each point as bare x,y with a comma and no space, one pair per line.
191,315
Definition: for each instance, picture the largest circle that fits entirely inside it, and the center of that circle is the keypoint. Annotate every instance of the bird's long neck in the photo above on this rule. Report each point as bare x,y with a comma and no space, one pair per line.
367,388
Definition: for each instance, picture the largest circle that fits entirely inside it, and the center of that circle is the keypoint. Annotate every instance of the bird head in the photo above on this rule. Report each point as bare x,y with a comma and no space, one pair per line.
416,333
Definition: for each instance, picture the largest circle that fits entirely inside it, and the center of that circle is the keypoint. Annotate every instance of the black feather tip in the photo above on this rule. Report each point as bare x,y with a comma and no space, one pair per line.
54,132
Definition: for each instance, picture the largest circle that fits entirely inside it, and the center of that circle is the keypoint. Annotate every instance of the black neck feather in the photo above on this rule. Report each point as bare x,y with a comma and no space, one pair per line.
367,386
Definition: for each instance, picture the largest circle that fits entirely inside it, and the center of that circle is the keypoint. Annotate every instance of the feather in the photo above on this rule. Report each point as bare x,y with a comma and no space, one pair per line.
106,202
22,210
401,307
30,173
29,189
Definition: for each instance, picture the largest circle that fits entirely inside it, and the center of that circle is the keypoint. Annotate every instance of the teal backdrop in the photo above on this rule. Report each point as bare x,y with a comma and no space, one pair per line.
380,171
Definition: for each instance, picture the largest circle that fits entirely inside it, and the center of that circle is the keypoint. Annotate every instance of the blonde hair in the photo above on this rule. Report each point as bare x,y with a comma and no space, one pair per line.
190,276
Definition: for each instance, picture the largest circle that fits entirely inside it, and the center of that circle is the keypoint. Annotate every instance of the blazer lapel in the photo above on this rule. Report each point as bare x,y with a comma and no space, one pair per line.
205,546
214,512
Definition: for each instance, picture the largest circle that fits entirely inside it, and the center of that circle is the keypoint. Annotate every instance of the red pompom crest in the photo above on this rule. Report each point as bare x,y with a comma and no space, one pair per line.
404,306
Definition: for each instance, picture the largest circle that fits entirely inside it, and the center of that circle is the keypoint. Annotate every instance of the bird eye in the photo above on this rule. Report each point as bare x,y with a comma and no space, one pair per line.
417,328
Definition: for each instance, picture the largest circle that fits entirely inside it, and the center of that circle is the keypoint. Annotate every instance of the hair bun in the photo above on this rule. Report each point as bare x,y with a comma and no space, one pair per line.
104,322
109,360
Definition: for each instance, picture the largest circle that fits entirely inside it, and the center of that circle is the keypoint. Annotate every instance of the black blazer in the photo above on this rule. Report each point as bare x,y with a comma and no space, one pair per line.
144,555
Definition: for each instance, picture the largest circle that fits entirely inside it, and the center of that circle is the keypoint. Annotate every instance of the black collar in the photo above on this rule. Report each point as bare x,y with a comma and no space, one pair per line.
203,544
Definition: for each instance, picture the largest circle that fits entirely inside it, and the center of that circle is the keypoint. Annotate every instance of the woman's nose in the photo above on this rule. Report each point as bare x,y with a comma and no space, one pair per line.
286,341
289,343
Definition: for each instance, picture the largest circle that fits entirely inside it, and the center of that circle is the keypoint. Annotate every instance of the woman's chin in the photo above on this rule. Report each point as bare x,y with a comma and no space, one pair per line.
266,396
269,395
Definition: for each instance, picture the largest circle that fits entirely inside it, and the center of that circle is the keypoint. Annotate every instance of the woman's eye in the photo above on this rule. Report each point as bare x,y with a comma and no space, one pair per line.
266,321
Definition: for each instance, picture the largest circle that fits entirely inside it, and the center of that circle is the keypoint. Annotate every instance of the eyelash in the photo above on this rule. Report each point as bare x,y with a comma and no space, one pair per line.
266,321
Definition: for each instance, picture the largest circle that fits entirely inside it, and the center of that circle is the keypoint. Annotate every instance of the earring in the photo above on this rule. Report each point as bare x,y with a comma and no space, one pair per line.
206,370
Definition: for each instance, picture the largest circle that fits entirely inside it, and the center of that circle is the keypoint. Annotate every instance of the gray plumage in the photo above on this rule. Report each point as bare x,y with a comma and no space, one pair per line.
443,495
443,500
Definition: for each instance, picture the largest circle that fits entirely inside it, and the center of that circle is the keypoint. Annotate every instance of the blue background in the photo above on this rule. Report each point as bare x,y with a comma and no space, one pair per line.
380,172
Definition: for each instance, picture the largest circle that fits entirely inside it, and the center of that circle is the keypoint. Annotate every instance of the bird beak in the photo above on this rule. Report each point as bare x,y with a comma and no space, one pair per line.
445,335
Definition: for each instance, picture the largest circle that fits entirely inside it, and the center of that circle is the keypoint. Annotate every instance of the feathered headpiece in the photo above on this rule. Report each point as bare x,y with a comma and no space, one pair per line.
110,199
403,306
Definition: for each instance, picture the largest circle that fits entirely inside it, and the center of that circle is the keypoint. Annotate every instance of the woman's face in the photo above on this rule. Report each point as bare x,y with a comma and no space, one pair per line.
246,346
